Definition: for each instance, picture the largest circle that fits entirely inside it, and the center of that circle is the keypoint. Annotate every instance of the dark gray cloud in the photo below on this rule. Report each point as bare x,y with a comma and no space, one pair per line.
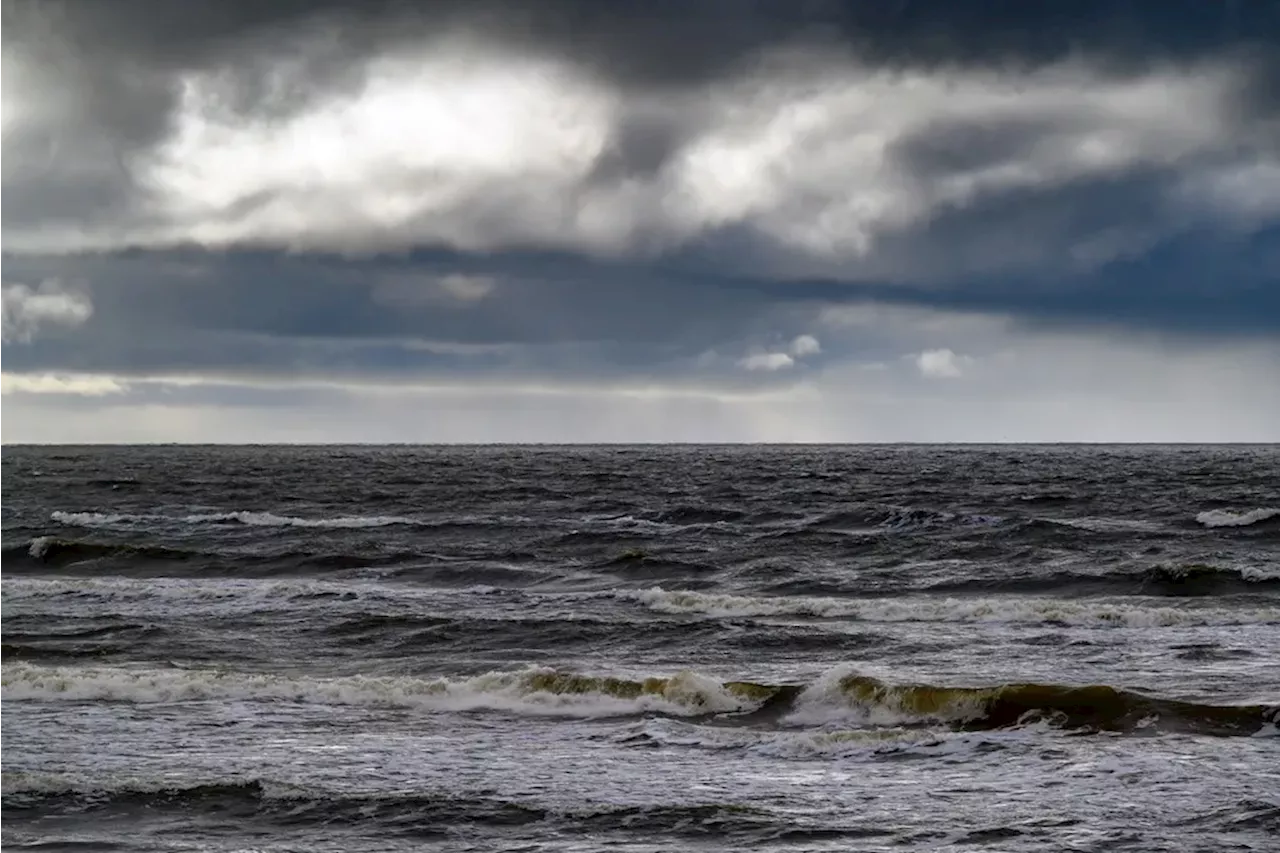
116,60
401,319
670,40
594,193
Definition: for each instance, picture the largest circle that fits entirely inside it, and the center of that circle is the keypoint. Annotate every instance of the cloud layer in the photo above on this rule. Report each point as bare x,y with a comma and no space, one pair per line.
705,201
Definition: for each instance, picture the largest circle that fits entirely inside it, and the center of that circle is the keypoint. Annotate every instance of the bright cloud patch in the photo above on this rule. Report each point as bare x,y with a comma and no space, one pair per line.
767,361
939,364
50,383
29,310
462,144
442,145
803,345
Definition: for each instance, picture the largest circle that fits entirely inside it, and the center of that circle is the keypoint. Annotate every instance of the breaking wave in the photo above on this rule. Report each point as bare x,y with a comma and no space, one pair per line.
1052,611
51,550
1178,580
535,690
839,695
1096,707
1223,518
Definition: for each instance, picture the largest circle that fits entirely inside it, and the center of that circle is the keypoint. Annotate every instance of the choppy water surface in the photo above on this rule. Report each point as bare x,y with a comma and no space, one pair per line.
1058,648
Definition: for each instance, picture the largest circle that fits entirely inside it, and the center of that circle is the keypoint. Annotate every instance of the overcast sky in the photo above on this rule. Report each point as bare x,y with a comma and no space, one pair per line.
641,220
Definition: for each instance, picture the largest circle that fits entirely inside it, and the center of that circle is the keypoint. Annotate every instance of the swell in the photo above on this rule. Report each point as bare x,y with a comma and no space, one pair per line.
66,643
420,814
52,551
1098,707
40,653
892,517
548,691
637,564
45,552
551,637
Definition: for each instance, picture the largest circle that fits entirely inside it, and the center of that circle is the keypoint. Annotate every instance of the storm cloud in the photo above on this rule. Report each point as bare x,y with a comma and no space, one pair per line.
905,220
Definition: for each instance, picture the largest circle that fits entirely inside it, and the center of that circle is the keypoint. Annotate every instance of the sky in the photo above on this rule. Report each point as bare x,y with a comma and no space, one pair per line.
640,221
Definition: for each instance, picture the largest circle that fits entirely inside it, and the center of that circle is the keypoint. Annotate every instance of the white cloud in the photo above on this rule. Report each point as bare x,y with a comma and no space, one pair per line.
443,144
27,310
459,143
939,364
774,360
767,361
805,345
79,384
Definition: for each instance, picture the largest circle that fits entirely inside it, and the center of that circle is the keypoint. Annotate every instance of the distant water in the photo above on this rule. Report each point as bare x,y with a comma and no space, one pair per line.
641,649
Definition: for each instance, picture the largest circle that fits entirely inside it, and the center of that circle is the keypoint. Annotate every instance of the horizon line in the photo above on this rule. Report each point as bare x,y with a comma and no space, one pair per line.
870,443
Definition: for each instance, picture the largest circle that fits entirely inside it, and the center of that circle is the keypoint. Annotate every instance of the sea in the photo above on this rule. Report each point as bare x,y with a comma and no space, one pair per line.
645,648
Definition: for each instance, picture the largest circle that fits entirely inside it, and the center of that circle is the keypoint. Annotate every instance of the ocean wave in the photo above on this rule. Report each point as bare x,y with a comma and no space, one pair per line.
806,744
1053,611
30,796
838,696
52,550
894,518
252,519
535,690
123,595
76,639
1192,579
636,563
688,515
61,654
1223,518
1095,706
42,552
1100,525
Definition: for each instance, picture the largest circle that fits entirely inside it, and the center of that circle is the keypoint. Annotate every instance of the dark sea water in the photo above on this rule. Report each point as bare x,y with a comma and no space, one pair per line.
640,649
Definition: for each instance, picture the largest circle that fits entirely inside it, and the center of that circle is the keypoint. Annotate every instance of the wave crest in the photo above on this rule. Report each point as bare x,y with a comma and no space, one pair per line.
546,691
1223,518
251,519
1096,706
535,690
1028,610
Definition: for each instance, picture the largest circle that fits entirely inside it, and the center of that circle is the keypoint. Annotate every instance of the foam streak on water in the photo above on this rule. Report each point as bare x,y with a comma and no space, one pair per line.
641,648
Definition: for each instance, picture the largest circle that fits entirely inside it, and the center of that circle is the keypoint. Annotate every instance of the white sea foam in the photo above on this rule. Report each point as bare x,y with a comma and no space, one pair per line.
1259,574
39,546
528,691
253,519
151,597
789,743
97,519
1009,609
1222,518
837,741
